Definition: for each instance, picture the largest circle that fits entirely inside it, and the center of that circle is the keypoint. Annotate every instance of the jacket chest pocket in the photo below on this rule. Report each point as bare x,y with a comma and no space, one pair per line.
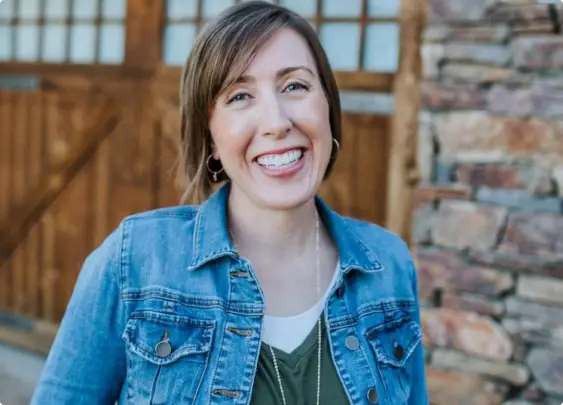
393,344
167,357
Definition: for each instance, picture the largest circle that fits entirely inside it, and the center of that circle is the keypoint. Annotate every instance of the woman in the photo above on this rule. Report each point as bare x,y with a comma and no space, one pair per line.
263,294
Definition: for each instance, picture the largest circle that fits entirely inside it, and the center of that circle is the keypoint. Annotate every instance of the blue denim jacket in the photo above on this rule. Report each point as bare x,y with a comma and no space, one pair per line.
173,275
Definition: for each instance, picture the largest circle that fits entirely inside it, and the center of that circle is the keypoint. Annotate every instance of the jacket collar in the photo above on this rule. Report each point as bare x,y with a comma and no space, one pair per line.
212,241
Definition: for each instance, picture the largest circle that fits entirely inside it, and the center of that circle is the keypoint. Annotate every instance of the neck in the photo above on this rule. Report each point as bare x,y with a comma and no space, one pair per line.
275,232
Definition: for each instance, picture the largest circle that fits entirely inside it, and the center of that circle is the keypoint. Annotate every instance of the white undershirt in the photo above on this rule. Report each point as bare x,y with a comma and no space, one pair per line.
286,333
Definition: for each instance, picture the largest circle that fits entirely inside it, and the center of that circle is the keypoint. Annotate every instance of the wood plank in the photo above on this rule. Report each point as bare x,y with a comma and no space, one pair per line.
6,123
402,172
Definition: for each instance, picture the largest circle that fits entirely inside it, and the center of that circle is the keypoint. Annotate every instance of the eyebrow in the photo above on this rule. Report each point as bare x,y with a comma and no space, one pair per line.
281,73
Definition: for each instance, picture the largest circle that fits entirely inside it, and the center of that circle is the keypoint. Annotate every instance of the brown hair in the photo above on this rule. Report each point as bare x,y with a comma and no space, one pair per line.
222,52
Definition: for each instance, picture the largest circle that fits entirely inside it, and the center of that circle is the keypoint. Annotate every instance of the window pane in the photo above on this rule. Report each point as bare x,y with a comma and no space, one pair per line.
7,10
305,8
28,9
56,9
211,8
176,9
112,43
27,42
384,8
382,47
5,42
178,40
114,9
54,42
342,45
83,43
339,8
84,9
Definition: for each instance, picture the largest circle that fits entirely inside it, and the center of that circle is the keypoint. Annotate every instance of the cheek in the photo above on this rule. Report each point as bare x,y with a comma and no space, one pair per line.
315,121
230,134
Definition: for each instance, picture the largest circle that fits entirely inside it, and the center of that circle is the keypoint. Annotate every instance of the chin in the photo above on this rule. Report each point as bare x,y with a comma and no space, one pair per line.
284,197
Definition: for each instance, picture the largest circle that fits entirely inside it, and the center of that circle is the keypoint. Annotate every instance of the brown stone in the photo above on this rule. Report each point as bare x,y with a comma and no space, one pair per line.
436,192
492,54
533,233
535,331
466,332
446,270
543,289
546,265
481,74
452,96
478,303
547,367
516,13
459,10
487,33
451,387
504,176
538,52
464,224
516,374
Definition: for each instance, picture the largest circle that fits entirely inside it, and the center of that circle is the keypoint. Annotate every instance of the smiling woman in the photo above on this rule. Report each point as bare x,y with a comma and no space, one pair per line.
262,294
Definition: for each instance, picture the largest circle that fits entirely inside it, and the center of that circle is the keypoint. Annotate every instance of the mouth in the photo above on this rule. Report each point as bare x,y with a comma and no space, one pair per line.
281,160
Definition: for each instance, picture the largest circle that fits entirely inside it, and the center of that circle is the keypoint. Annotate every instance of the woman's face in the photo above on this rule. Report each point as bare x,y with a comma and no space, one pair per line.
271,130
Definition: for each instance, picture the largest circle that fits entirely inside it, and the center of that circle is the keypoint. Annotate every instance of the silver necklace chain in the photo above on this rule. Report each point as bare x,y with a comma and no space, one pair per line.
318,274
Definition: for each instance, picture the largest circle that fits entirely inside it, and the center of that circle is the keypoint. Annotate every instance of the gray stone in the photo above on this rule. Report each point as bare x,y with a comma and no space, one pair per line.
546,265
425,148
423,222
538,52
458,10
444,172
486,33
512,12
516,374
518,199
535,331
547,368
479,303
550,314
431,55
526,101
437,95
533,233
482,74
557,175
492,54
543,289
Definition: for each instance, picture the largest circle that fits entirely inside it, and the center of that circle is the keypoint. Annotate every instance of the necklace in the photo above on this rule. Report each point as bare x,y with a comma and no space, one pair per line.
319,336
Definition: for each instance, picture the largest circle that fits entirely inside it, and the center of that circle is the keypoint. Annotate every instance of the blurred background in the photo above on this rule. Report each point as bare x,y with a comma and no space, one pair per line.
452,138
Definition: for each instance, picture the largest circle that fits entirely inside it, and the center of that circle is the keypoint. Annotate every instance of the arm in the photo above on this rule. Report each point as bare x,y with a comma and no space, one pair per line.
419,393
86,364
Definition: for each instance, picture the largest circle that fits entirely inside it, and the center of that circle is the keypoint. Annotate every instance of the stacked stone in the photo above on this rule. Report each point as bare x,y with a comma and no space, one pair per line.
488,222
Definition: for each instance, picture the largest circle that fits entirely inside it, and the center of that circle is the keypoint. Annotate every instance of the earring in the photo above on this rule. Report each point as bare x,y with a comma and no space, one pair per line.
213,172
337,144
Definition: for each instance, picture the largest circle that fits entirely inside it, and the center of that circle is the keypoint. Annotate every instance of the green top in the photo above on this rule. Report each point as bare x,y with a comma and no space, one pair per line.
298,371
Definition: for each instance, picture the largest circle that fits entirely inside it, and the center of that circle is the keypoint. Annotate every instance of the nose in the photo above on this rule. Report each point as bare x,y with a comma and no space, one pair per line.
274,120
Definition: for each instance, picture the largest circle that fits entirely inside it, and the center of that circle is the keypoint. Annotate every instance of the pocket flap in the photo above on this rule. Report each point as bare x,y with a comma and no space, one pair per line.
394,342
186,336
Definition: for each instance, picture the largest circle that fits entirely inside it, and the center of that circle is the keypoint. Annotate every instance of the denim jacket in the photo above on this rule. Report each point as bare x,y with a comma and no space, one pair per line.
171,277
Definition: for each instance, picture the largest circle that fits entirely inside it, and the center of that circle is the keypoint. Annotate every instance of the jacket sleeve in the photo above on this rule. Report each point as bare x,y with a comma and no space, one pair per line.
86,363
419,392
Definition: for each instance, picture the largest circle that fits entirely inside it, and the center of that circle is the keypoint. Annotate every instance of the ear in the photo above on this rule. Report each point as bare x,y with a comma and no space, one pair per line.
215,152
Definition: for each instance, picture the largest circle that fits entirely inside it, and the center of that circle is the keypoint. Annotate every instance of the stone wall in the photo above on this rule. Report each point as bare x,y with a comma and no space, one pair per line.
488,219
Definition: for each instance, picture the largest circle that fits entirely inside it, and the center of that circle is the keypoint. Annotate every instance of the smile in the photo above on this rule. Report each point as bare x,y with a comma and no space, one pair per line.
280,160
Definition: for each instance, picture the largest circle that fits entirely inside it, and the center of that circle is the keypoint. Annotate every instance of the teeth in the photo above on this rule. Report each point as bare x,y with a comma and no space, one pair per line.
280,160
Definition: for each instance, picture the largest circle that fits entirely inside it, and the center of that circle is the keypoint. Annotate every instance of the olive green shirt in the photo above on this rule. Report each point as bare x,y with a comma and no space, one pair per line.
298,371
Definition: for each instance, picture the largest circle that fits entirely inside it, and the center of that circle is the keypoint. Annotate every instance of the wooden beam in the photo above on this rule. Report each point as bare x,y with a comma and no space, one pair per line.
403,174
15,228
144,27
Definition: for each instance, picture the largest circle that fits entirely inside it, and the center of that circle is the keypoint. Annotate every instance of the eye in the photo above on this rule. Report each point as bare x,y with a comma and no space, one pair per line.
238,97
294,86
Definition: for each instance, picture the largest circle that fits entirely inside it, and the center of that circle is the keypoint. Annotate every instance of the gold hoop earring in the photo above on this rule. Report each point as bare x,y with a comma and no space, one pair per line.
213,172
336,143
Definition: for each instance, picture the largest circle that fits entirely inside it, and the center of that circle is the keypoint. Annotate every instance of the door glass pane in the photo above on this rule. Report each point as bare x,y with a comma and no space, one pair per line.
27,42
28,10
56,9
84,9
176,9
212,8
382,47
5,42
305,8
112,43
83,43
342,44
54,42
339,8
6,10
384,8
178,40
113,9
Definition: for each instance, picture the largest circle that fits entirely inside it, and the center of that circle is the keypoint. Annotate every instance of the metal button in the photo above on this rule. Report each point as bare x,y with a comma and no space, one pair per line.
399,352
352,343
163,348
373,396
